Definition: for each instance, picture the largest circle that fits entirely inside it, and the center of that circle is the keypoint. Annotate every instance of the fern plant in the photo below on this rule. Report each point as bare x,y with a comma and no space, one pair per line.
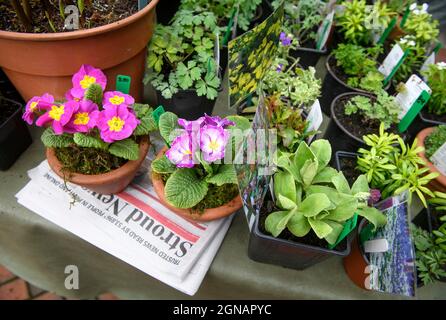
181,55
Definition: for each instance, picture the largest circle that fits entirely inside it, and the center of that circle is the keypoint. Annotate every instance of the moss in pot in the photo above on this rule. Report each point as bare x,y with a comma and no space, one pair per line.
95,139
189,175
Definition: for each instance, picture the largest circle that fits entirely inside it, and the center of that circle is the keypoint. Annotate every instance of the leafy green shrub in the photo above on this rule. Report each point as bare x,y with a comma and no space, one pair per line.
302,17
182,55
421,24
313,196
394,169
436,79
360,65
385,109
413,61
435,140
357,20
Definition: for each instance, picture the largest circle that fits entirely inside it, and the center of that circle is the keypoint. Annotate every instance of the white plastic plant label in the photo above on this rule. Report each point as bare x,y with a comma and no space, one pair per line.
439,159
392,62
315,118
376,245
413,89
324,31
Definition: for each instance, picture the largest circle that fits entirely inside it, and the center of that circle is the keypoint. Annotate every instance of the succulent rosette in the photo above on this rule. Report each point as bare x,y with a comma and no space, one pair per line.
86,76
116,98
58,115
36,105
213,140
182,150
116,123
84,118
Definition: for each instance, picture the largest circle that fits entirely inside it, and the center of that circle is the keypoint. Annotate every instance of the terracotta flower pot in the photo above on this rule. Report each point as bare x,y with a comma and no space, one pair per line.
208,214
39,63
438,184
108,183
397,32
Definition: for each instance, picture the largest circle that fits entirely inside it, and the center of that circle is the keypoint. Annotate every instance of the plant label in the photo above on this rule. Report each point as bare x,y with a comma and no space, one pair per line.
123,83
392,62
376,245
315,118
439,159
324,31
415,95
380,35
141,4
156,114
430,59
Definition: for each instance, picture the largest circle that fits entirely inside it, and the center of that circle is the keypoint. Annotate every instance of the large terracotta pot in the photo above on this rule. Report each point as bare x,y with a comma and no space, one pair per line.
438,184
208,214
108,183
39,63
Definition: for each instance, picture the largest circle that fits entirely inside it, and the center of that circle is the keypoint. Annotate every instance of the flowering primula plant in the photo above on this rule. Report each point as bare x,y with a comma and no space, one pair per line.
90,118
194,168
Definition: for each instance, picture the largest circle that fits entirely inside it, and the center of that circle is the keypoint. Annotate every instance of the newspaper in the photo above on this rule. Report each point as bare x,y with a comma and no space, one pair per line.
133,226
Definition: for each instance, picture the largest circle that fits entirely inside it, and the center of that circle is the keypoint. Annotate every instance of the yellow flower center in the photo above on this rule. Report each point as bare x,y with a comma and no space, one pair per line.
115,124
116,100
81,118
214,145
56,112
187,152
33,105
87,81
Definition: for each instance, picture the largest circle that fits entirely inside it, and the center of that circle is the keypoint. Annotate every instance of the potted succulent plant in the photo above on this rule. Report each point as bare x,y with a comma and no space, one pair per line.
356,114
181,55
95,139
189,175
302,20
36,31
430,140
351,68
311,204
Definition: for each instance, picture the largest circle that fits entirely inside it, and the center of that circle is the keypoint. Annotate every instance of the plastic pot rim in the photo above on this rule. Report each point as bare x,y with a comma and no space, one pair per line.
19,109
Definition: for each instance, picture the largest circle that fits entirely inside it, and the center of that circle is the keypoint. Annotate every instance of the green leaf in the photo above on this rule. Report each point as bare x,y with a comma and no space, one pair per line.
325,175
147,124
286,203
240,122
94,93
308,172
163,165
321,228
184,189
168,124
126,149
333,236
277,221
87,141
322,150
360,185
373,215
298,225
225,174
343,211
52,140
341,183
313,204
284,185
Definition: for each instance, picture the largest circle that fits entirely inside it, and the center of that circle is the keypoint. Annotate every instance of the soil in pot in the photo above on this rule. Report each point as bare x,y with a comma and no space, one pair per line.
348,167
310,239
99,13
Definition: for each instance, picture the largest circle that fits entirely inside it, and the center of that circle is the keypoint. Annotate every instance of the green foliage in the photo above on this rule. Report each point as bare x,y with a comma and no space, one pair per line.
89,141
288,121
184,188
313,196
439,201
168,127
182,55
422,25
224,174
127,149
94,93
147,122
360,65
430,258
413,61
385,109
436,79
302,17
357,20
52,140
393,168
163,165
435,140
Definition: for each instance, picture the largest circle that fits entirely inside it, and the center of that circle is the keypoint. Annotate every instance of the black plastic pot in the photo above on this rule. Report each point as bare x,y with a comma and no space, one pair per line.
187,104
7,90
267,249
165,10
333,86
422,122
14,136
223,59
308,57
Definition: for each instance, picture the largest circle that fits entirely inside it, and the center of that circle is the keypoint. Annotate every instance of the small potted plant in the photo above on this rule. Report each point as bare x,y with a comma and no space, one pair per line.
434,113
302,20
355,115
189,175
430,140
303,221
185,73
351,68
95,139
70,30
